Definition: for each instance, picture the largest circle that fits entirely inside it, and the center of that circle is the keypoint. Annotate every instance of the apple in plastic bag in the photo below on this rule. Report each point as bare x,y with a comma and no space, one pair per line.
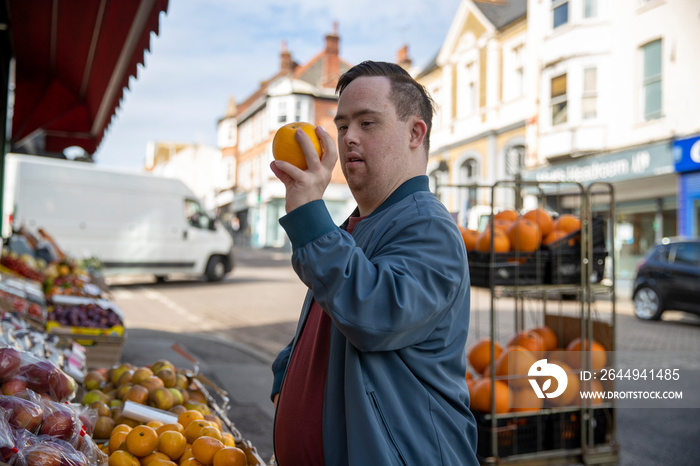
24,414
10,360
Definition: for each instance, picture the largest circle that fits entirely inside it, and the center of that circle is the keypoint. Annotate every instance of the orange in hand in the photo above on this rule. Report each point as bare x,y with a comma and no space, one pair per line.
286,147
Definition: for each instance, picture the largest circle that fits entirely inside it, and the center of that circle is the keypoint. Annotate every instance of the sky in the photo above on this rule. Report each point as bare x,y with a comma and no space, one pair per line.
210,50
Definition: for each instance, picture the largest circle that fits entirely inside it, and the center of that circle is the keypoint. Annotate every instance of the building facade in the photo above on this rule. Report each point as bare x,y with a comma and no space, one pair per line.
479,81
616,89
296,93
590,91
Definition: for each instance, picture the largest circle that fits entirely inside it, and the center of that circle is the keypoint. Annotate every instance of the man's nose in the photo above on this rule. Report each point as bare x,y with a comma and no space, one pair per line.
350,136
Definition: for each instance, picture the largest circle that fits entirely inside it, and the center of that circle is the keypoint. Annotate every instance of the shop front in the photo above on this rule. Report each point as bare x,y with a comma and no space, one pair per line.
645,190
686,154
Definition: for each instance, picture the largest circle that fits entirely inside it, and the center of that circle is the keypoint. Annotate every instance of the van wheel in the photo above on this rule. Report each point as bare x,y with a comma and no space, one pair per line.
216,269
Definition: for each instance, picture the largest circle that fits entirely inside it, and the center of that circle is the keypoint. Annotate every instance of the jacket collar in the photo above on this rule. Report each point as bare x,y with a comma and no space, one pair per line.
411,186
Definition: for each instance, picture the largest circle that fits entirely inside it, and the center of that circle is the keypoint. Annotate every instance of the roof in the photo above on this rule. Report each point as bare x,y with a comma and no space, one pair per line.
73,60
502,13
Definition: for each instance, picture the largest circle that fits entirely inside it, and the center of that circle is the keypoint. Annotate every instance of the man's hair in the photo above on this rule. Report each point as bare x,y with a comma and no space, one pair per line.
408,96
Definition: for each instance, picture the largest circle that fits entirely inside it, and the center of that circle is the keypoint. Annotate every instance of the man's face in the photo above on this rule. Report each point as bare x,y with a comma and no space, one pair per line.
373,145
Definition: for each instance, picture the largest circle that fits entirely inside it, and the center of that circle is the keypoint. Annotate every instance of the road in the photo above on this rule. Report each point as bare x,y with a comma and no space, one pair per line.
257,306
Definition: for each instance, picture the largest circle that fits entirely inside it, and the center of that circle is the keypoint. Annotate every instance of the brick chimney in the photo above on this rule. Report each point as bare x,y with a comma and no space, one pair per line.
331,62
402,58
286,62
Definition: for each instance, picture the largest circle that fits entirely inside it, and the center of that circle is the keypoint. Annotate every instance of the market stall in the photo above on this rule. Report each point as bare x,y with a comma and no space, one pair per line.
68,398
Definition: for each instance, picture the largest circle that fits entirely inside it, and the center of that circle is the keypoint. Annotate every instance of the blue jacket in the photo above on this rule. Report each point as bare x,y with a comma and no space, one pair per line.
397,292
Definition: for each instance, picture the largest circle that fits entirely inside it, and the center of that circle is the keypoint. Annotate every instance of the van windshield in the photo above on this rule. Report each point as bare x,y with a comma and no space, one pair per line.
195,214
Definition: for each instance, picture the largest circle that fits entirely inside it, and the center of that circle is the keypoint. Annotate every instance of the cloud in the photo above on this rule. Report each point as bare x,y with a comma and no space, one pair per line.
209,50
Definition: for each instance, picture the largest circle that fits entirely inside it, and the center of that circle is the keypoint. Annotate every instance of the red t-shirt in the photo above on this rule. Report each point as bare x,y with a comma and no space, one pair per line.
299,419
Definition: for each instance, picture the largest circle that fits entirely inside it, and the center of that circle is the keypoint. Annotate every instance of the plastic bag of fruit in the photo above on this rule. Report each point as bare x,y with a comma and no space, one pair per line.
43,450
20,370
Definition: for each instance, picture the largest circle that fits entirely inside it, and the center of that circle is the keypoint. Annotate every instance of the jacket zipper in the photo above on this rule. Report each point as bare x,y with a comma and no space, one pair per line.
375,402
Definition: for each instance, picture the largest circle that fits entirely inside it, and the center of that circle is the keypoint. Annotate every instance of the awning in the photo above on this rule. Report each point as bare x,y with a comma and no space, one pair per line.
73,59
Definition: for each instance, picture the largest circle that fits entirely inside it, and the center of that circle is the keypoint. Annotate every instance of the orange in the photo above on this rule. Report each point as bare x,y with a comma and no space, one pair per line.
501,242
230,456
194,430
571,393
542,219
481,396
526,400
507,214
515,362
142,440
161,462
531,341
567,223
156,455
191,462
211,431
599,357
524,235
176,426
188,416
172,443
549,338
154,424
204,449
469,237
123,458
116,440
286,147
228,440
480,354
121,428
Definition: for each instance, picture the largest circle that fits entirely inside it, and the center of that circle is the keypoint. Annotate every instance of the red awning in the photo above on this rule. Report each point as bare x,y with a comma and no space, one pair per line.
73,59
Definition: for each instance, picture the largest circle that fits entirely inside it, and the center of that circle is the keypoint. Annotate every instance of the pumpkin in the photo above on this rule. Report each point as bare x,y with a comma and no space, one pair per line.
501,243
567,223
599,357
469,236
481,396
542,219
524,235
479,355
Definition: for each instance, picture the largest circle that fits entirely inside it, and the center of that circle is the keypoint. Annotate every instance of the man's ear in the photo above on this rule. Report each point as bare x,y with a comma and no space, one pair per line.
418,132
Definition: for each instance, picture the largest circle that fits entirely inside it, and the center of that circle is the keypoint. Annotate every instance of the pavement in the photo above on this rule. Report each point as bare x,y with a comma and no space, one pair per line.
647,436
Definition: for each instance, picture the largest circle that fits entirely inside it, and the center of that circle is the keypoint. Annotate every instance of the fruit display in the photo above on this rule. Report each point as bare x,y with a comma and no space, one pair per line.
286,147
88,315
513,363
179,423
24,265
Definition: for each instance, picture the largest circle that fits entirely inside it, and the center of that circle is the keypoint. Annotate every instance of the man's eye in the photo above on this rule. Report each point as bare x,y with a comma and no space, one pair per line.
342,128
367,123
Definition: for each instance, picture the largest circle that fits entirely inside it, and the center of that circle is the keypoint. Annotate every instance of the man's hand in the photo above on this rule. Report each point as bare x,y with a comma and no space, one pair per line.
304,186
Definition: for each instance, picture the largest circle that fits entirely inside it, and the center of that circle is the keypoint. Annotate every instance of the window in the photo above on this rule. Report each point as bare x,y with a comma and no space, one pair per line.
560,13
468,170
282,112
470,73
514,71
590,98
558,100
651,80
515,156
687,254
196,216
297,111
590,8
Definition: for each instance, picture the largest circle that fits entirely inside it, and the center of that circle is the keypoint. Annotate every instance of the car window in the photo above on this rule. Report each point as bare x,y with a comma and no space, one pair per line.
687,254
662,252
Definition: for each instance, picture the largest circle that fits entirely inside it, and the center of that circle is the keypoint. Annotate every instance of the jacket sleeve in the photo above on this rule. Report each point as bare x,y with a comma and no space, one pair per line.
279,368
392,300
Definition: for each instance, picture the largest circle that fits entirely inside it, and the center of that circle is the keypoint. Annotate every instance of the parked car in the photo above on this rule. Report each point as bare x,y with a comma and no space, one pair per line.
668,278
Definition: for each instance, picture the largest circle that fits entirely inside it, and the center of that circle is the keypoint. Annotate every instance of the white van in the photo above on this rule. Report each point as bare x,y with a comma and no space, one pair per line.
133,223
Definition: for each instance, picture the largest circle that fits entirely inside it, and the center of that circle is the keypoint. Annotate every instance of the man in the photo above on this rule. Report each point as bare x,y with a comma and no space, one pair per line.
376,372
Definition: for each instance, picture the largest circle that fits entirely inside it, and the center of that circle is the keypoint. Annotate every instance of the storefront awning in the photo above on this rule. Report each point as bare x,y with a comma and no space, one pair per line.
73,59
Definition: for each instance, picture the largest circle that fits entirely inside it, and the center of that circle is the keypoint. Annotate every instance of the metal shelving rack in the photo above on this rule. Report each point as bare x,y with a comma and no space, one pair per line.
595,198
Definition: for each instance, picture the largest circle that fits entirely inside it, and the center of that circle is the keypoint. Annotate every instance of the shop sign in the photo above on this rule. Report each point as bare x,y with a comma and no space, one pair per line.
686,154
651,160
